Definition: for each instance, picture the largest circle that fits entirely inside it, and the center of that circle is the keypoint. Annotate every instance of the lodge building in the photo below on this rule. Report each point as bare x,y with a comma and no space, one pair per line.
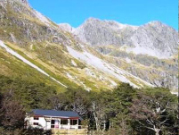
52,119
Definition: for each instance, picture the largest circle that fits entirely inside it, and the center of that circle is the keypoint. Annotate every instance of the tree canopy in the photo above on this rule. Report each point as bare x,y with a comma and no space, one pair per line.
121,111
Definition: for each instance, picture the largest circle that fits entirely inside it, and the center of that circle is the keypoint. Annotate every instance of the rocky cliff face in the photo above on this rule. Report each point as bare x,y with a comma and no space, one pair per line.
97,32
151,45
66,27
154,38
21,24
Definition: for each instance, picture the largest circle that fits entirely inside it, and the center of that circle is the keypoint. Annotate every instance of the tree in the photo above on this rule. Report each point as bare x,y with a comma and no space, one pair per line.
118,108
98,109
0,107
31,95
73,99
11,112
153,109
57,102
80,102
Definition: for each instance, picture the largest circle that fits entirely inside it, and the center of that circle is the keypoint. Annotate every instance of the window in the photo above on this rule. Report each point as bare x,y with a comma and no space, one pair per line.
36,118
73,122
53,124
64,121
35,123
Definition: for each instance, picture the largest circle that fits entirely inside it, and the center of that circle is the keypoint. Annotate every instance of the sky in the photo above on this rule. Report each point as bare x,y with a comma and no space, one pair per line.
133,12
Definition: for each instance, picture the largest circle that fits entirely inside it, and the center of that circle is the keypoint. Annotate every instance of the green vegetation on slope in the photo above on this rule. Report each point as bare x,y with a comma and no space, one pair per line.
12,67
121,111
53,59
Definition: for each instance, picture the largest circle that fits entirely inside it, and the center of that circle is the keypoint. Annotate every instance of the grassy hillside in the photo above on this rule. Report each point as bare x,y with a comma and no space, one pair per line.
13,68
55,61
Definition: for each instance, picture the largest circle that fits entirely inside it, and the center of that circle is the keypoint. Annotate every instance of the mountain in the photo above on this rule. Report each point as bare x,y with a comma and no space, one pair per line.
154,38
148,51
97,55
66,27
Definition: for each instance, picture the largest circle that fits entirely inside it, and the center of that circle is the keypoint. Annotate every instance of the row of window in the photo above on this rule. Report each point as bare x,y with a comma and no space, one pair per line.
63,121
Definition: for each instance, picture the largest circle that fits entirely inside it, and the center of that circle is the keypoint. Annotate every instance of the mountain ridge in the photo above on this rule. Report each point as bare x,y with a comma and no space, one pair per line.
47,45
98,32
167,50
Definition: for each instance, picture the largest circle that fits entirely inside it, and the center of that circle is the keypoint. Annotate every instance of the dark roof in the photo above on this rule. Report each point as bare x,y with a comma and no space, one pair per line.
55,113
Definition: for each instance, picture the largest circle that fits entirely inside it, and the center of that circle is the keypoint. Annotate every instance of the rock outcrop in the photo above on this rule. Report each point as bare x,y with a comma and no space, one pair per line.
154,38
151,45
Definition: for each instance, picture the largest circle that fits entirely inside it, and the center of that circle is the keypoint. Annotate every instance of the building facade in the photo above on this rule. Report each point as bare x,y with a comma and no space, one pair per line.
52,119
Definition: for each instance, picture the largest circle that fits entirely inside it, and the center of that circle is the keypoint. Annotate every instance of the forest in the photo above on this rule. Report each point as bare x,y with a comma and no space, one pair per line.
123,110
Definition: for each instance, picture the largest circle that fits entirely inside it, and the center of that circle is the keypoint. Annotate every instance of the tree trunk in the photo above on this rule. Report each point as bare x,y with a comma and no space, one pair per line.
104,126
96,121
124,128
157,131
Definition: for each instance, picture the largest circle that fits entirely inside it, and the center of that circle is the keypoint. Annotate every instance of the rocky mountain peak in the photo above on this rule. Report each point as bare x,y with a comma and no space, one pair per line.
106,23
154,38
66,27
92,20
20,1
157,23
24,1
15,3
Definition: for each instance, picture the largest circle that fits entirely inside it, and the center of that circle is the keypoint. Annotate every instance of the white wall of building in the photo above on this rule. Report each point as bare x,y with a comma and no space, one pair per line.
45,123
